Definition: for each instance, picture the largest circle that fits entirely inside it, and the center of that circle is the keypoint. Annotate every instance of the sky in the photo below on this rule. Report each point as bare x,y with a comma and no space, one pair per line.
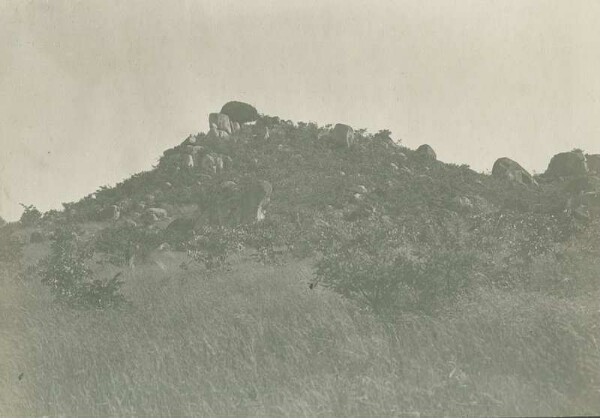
93,91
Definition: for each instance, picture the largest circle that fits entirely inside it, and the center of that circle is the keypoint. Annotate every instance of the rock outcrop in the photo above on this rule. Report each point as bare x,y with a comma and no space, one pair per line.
506,169
220,125
427,152
342,135
567,164
240,112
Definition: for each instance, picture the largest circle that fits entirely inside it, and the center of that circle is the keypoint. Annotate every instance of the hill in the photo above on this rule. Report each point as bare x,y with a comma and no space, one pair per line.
275,268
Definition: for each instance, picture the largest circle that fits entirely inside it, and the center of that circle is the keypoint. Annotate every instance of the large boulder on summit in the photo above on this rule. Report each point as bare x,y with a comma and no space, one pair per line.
240,112
567,164
343,135
427,152
593,162
506,169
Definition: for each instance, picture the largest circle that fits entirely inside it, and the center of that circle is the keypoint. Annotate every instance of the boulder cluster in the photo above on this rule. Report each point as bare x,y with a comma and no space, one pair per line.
578,171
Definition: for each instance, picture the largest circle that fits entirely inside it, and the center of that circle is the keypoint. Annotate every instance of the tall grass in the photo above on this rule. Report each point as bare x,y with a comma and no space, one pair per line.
256,341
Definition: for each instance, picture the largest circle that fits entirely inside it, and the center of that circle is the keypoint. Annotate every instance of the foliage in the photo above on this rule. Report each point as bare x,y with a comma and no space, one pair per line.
67,273
11,248
122,242
212,245
378,266
30,216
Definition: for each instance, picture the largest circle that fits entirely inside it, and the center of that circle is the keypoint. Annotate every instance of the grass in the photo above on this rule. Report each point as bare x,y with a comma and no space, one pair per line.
255,341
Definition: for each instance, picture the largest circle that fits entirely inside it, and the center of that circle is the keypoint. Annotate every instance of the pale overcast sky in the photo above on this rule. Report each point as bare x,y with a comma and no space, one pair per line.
93,91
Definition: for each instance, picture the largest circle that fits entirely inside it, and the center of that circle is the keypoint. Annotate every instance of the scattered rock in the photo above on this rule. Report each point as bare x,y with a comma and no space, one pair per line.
343,135
402,158
164,247
208,164
160,213
427,152
394,166
240,112
566,164
358,188
463,203
507,169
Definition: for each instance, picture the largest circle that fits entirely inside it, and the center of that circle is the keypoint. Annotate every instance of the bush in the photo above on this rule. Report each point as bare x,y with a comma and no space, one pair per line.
122,242
11,248
31,215
70,279
211,245
374,265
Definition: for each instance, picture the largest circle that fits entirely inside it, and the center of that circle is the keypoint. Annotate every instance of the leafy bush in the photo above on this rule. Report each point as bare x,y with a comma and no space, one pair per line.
122,242
31,215
11,248
375,265
212,245
66,271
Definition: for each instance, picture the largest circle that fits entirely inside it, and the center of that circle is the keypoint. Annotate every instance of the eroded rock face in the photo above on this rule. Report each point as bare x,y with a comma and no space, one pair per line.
343,135
427,152
240,112
566,164
593,163
507,169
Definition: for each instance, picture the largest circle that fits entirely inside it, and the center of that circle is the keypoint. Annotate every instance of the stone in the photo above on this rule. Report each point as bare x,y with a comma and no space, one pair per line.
358,188
402,158
394,166
593,162
567,164
220,121
581,213
255,199
160,213
343,135
463,203
208,164
427,152
109,213
240,112
506,169
235,127
187,161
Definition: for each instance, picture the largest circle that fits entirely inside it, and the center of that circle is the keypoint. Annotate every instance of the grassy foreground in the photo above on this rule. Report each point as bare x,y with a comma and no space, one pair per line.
256,341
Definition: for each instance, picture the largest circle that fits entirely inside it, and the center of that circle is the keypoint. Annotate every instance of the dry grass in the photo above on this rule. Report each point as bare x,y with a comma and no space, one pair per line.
256,341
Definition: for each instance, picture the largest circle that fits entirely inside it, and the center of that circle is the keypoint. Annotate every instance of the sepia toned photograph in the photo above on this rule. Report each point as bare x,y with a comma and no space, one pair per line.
316,208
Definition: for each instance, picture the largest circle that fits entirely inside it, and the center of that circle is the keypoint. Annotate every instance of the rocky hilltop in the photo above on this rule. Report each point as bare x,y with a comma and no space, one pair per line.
249,167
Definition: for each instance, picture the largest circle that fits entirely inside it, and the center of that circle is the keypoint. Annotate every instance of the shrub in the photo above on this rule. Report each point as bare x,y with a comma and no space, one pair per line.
69,277
31,215
122,242
211,245
373,264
